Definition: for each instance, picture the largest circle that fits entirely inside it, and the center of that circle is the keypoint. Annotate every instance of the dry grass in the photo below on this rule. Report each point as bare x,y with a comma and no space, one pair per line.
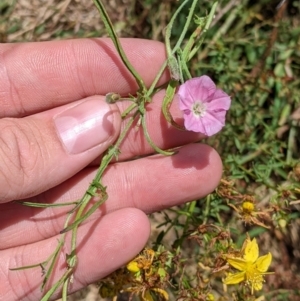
40,20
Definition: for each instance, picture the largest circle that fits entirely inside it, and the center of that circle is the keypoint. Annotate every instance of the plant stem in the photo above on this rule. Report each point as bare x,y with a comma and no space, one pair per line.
111,31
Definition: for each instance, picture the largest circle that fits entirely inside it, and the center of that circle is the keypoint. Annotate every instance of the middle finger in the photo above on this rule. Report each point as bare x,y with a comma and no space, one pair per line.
150,184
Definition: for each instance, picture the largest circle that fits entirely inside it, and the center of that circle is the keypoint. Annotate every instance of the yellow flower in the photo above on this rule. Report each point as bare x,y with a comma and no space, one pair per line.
142,262
133,266
252,268
248,207
249,214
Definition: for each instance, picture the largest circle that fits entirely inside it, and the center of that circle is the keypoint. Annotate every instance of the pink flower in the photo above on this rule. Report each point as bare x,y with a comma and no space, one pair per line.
204,106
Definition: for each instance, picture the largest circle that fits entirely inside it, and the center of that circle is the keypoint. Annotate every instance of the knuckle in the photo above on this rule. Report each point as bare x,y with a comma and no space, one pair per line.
10,100
19,157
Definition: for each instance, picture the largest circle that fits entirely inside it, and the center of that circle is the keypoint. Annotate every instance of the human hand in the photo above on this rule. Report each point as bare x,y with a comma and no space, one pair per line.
43,84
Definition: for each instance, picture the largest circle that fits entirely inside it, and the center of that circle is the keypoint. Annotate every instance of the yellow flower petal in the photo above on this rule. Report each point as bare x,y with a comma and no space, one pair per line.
262,263
248,206
251,250
133,267
234,278
238,263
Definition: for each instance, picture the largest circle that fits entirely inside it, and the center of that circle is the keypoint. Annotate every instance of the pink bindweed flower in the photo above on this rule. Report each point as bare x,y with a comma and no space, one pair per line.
204,106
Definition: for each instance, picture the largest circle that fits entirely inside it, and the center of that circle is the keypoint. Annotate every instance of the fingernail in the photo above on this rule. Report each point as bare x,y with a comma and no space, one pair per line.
84,126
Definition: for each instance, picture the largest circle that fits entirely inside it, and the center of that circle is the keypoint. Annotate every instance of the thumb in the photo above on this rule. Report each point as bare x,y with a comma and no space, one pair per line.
41,151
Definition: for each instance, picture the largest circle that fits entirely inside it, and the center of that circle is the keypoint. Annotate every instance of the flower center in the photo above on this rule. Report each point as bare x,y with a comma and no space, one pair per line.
199,109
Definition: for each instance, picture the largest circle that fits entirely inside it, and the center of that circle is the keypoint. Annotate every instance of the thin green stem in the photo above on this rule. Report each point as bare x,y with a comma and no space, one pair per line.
206,27
65,290
158,76
45,205
58,284
171,52
112,151
54,258
149,140
249,157
291,143
128,110
191,209
111,31
207,209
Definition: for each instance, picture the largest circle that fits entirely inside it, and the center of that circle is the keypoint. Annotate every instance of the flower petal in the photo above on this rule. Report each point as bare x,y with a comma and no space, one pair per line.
251,250
133,266
234,278
238,263
193,123
262,263
185,101
199,88
203,105
213,122
219,101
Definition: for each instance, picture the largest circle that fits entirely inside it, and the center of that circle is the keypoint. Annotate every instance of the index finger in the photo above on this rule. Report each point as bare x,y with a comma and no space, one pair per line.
38,76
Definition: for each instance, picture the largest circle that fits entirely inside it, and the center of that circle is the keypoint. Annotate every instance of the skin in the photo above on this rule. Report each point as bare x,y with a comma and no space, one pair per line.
40,80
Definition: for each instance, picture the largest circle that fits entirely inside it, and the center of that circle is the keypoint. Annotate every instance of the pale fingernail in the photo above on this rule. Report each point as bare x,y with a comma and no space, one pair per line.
84,126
